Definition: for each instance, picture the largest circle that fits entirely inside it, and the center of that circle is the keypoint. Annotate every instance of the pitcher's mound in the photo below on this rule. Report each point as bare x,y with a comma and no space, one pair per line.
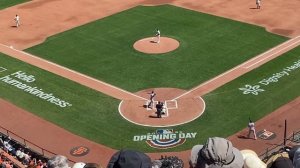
150,46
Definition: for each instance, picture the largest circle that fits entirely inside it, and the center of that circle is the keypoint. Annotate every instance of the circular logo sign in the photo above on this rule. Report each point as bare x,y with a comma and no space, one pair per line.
79,151
266,135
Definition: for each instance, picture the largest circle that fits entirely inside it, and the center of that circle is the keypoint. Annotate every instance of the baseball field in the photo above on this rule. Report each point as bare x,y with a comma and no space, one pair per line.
103,50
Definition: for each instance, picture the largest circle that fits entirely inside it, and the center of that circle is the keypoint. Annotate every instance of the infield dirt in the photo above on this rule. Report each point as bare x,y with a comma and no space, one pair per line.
42,18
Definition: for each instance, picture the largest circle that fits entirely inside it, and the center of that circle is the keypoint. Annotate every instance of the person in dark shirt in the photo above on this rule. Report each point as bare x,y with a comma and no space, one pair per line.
159,106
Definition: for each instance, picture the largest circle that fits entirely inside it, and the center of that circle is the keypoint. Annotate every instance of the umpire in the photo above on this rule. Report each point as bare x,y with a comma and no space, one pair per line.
159,107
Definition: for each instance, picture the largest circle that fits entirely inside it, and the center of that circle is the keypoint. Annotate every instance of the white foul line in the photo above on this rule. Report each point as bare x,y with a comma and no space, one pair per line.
270,55
80,74
274,48
239,66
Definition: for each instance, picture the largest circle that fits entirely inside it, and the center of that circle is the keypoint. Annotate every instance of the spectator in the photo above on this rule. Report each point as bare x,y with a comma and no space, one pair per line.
24,158
156,163
171,162
18,153
280,160
296,159
3,165
32,163
251,160
27,158
58,161
78,165
45,164
1,158
21,155
9,164
92,165
39,164
86,165
292,151
216,152
1,142
8,147
129,159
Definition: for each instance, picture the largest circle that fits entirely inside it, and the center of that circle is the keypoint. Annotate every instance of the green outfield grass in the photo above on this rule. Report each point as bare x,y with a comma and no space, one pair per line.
7,3
95,116
209,45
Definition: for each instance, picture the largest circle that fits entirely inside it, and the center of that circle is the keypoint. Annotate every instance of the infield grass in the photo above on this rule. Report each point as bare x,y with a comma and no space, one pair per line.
209,46
7,3
95,116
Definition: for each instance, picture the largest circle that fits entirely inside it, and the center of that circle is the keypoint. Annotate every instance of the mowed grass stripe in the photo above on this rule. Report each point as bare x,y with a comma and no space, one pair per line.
228,109
91,114
209,45
94,115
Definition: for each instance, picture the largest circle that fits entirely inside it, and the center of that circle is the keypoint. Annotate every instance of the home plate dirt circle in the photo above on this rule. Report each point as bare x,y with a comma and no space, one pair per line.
180,110
150,46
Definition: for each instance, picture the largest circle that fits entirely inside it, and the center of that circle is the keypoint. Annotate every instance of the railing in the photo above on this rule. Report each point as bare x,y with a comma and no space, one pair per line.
30,145
293,138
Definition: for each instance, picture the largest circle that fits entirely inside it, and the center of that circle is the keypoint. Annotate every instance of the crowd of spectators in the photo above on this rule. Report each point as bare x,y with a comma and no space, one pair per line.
60,161
20,153
217,152
5,162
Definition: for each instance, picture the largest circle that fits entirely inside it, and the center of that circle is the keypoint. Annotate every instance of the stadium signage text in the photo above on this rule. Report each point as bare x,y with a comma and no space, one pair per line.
165,138
257,88
21,80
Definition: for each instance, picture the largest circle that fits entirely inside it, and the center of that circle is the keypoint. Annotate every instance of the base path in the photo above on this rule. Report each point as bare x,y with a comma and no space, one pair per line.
61,148
276,16
45,135
43,18
239,70
273,122
85,80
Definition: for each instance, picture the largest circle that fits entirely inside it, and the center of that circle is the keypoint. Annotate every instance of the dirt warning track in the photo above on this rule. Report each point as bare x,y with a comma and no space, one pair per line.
43,18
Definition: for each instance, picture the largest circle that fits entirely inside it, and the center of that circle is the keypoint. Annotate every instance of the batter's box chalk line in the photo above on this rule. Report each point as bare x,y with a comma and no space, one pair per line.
2,69
171,104
153,104
165,112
